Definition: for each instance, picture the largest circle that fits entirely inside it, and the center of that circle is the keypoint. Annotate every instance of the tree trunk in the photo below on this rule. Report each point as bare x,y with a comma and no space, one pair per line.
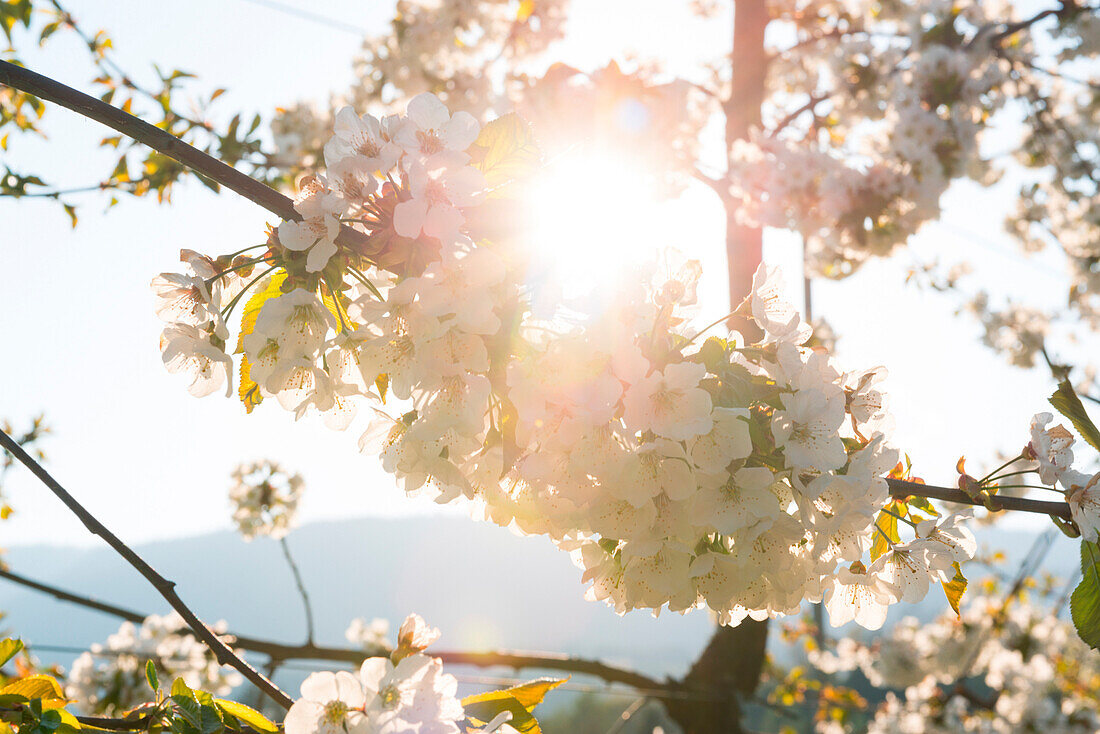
748,70
728,669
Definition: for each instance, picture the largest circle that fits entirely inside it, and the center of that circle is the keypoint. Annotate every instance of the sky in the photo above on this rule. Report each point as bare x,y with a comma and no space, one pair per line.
78,336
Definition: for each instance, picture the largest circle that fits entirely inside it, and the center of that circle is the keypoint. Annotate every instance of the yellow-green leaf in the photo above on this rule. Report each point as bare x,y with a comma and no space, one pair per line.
483,707
955,588
531,693
505,150
887,526
269,288
248,715
35,686
8,649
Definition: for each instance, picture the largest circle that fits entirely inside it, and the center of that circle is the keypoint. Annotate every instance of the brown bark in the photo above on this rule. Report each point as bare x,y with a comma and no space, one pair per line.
748,70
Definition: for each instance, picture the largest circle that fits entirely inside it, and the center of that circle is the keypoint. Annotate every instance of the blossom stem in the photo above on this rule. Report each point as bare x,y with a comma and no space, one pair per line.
708,327
885,537
1029,486
235,268
229,307
301,589
1009,474
905,520
166,588
366,282
1005,465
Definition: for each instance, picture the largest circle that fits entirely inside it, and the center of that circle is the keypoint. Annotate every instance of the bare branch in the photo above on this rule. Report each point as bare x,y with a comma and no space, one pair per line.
282,653
222,653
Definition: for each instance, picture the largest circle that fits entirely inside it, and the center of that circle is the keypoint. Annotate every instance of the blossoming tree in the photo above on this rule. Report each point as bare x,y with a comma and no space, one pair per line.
681,464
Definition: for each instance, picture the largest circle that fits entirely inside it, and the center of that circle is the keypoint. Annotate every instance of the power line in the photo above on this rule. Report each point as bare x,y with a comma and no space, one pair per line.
310,16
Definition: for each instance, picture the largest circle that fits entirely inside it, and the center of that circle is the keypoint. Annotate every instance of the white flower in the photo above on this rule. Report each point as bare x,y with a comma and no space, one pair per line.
186,299
317,235
807,428
860,596
320,208
415,635
413,696
439,189
770,309
1083,498
744,500
670,403
430,128
865,404
331,703
464,287
727,440
1052,448
186,349
949,535
363,139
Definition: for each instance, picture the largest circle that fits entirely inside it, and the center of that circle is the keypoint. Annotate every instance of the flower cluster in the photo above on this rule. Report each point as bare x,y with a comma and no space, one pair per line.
265,499
370,636
1052,450
678,470
110,678
406,693
997,669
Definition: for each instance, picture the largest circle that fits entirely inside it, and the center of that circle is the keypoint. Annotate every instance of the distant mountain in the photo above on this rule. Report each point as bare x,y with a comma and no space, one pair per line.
482,586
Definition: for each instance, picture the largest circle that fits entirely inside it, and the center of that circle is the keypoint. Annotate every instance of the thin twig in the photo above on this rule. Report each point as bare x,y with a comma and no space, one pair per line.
301,589
222,653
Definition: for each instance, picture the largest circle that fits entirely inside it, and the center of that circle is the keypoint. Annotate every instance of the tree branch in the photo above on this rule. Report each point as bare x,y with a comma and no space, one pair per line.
222,653
900,489
201,163
281,652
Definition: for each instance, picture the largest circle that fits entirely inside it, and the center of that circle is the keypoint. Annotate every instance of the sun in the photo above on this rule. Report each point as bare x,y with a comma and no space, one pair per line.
590,217
594,218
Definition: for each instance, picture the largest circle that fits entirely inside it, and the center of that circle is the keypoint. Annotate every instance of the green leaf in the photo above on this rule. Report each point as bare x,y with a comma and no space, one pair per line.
210,720
1084,604
955,588
188,709
247,715
35,686
267,289
505,150
9,648
713,355
1067,403
151,675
